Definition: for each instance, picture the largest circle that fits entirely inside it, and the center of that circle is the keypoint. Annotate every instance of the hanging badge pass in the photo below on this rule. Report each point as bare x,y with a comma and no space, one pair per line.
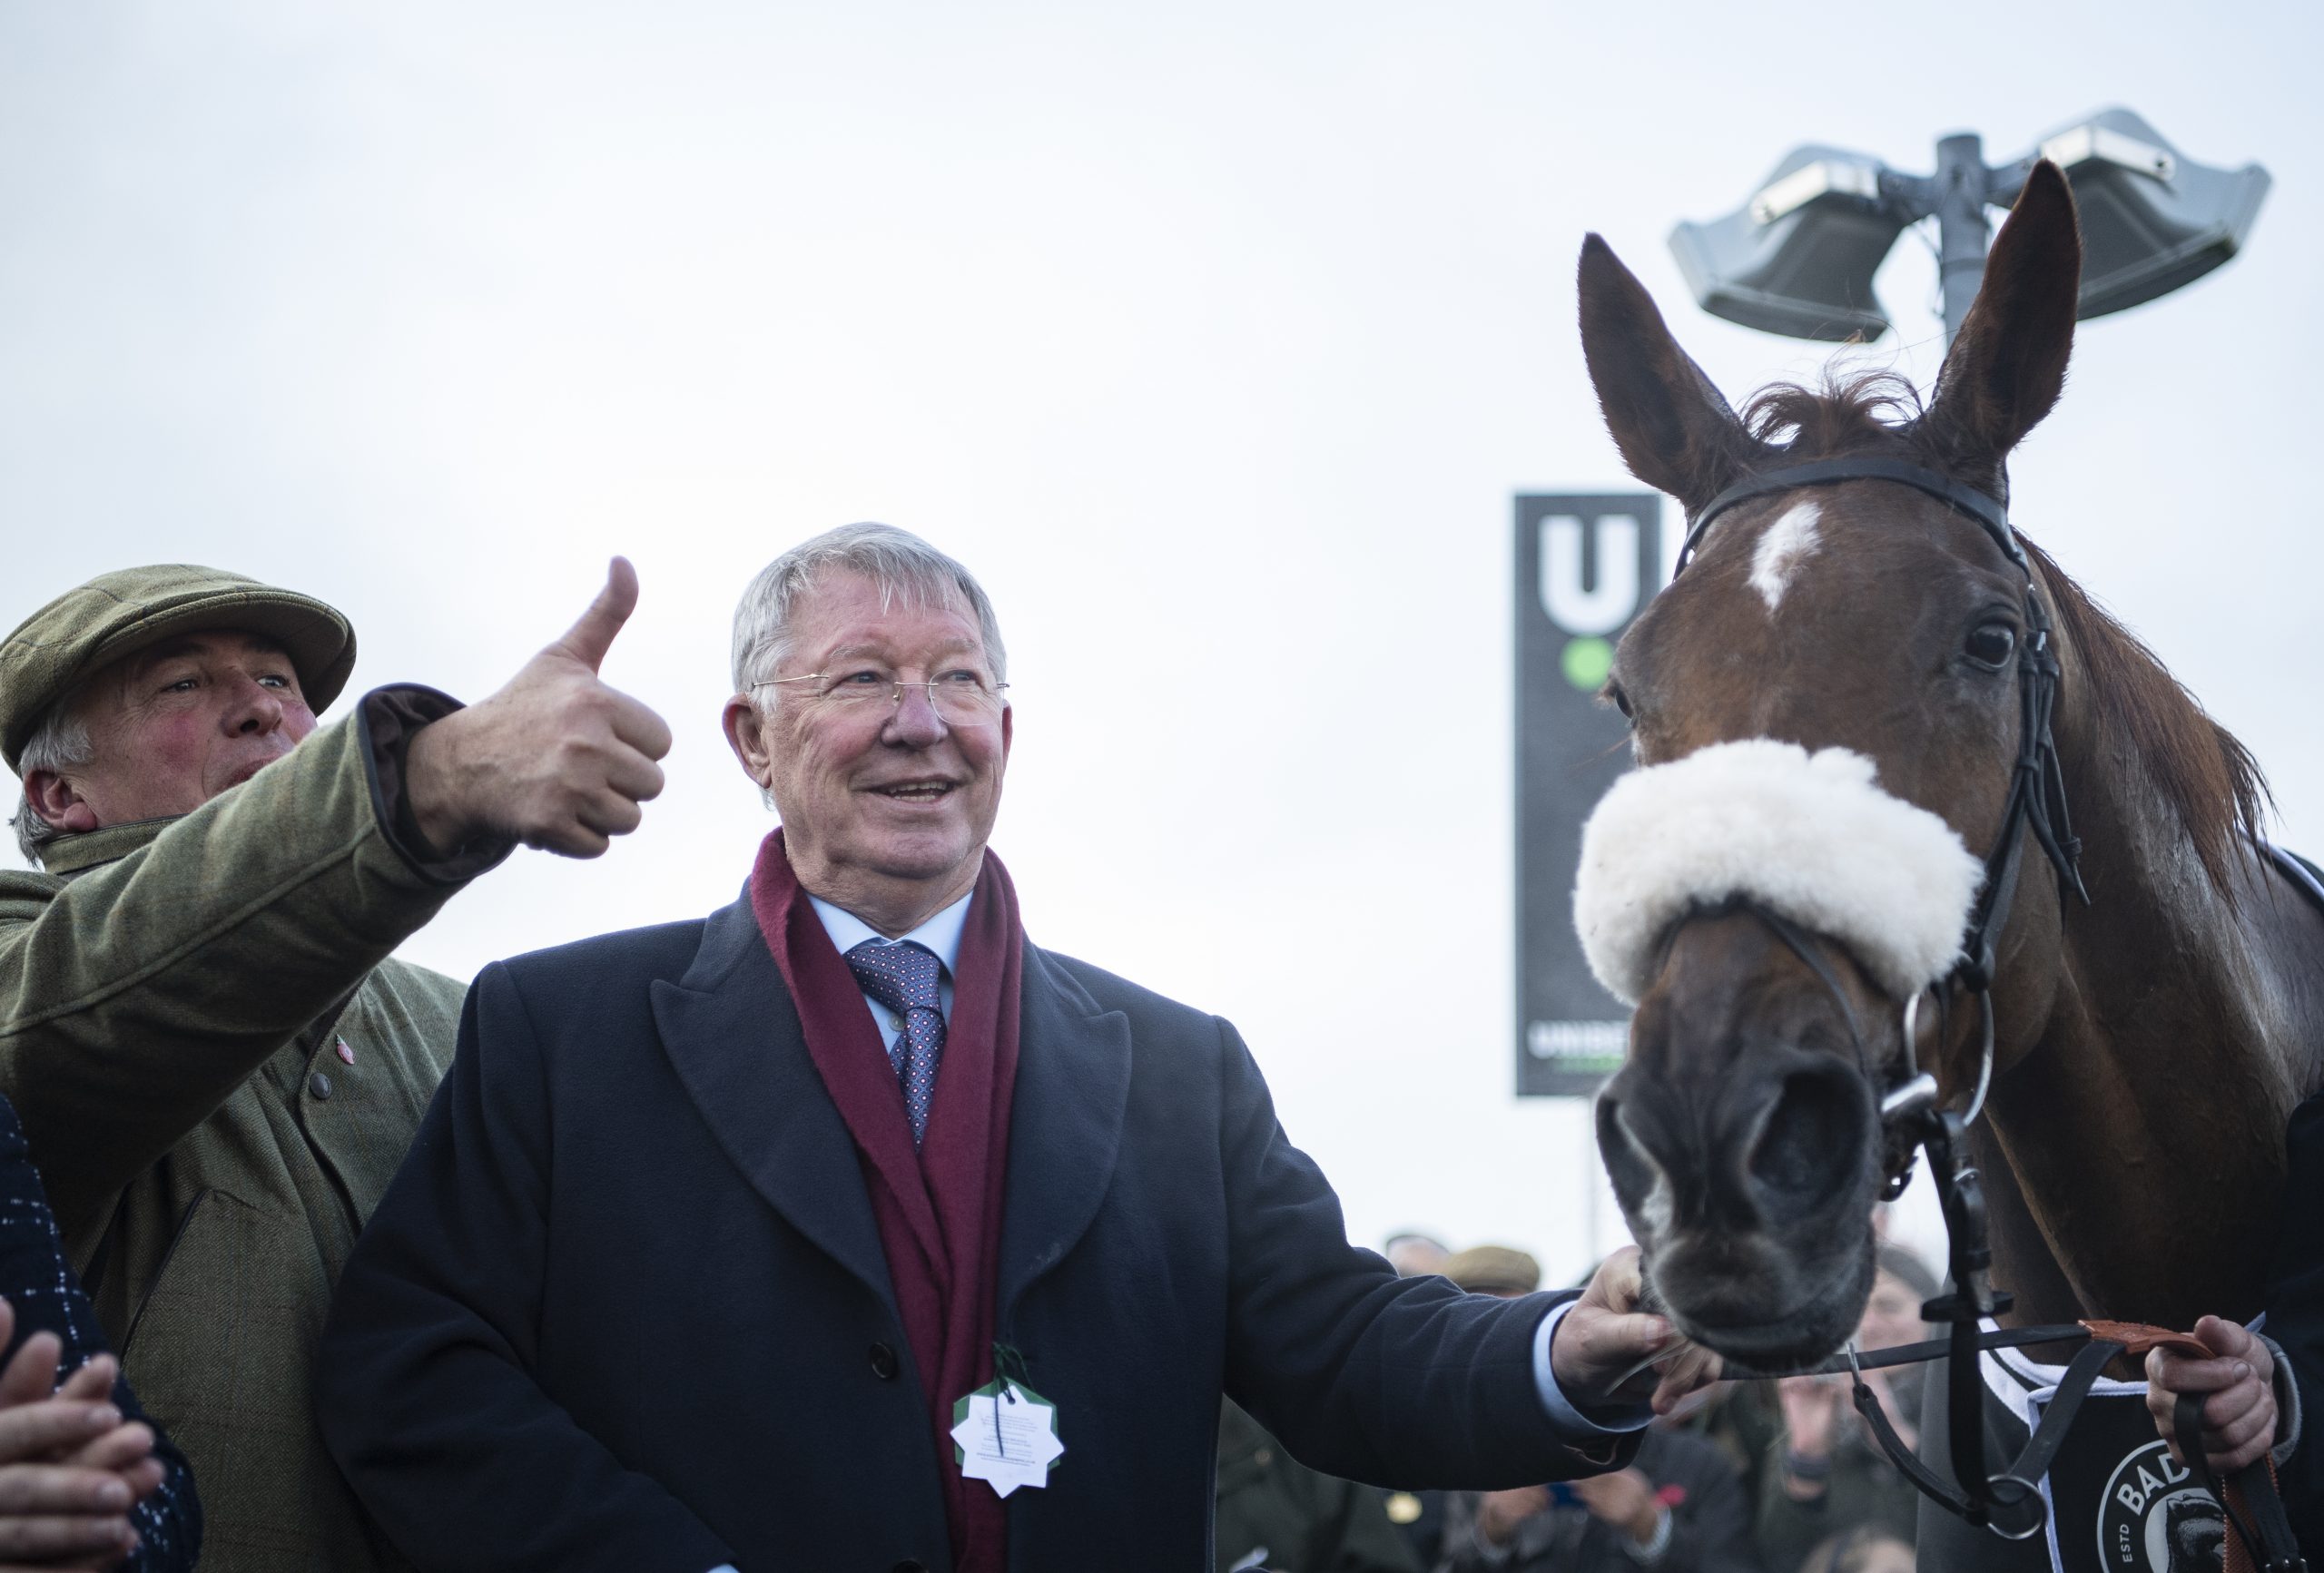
1005,1434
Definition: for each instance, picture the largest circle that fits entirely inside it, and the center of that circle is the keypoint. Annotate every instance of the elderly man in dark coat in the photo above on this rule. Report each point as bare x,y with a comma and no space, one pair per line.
850,1229
218,1063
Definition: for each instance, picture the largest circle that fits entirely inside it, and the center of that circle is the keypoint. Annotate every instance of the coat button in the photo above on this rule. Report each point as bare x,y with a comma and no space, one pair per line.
319,1085
883,1366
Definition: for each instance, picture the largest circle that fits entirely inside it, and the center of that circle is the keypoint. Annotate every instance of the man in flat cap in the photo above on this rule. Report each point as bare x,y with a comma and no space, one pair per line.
217,1062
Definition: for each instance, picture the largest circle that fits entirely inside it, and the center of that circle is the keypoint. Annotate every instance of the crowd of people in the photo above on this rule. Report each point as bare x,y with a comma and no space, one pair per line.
849,1196
1740,1477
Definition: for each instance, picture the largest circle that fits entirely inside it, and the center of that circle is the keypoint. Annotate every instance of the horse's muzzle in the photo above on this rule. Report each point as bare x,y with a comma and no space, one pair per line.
1744,1141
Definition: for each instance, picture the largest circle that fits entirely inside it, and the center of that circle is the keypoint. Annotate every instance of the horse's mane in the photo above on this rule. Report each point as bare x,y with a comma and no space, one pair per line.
2203,771
2208,778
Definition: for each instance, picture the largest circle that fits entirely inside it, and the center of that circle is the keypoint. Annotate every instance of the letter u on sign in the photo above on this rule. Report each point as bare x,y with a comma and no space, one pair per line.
1602,607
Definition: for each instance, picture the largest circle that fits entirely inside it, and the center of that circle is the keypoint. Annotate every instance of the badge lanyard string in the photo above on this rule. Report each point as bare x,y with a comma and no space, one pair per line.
1006,1361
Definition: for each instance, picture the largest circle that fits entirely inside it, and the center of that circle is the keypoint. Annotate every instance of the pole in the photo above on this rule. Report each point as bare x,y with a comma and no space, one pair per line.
1961,228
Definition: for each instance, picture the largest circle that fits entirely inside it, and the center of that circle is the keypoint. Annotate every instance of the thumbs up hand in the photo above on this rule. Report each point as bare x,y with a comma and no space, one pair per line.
556,759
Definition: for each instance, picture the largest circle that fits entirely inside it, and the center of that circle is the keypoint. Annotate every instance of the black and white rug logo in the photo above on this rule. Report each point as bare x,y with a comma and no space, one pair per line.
2155,1519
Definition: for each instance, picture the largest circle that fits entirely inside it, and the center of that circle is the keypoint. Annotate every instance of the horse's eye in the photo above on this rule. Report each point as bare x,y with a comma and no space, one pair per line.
1612,694
1992,644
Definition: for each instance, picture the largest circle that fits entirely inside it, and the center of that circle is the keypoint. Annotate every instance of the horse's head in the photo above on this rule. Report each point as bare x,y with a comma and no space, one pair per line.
1770,907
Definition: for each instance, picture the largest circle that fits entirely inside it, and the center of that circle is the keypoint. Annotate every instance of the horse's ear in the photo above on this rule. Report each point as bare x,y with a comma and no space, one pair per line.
1671,426
2008,363
1675,431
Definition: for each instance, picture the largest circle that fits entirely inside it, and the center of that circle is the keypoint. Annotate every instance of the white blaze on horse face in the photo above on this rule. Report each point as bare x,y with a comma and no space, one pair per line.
1785,544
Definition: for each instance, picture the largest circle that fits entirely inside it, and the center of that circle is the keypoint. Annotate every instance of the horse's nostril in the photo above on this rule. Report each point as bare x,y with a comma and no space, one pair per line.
1811,1148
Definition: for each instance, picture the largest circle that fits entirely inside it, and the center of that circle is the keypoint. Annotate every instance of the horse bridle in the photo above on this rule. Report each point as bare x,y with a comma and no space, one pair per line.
1912,1119
2036,801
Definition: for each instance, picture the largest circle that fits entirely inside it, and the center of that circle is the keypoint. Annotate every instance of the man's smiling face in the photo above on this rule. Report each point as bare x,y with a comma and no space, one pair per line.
875,795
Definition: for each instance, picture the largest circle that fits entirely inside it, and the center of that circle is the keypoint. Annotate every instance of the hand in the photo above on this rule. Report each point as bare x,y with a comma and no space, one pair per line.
1500,1512
1604,1337
1624,1498
556,759
70,1468
2239,1415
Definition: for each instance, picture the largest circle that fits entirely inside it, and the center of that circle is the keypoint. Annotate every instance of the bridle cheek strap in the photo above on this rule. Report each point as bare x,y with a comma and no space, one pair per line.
2037,801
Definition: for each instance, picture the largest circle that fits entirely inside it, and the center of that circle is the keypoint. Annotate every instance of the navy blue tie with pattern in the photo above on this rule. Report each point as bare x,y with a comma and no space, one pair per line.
902,976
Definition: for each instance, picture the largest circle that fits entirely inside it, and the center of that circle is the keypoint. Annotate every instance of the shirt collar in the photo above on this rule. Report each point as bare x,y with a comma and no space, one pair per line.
940,934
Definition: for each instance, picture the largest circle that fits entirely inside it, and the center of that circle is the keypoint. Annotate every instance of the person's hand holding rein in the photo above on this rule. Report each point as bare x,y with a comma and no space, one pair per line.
2240,1394
70,1467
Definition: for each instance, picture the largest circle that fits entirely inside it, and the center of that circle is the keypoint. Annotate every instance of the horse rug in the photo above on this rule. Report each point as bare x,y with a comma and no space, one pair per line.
2117,1501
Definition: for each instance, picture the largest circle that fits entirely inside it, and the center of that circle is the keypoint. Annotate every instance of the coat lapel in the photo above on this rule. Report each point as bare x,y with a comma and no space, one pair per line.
733,1033
1066,1129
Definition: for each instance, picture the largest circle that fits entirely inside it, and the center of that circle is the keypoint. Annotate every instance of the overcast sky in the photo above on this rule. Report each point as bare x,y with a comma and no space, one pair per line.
1215,336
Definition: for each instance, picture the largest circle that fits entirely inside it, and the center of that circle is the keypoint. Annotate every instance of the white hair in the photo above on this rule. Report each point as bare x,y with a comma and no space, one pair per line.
905,567
60,742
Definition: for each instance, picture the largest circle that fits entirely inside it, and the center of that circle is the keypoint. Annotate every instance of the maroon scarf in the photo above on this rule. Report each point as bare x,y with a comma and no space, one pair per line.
939,1209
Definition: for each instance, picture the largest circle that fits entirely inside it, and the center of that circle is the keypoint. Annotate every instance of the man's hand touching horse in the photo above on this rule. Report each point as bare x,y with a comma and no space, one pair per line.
1609,1354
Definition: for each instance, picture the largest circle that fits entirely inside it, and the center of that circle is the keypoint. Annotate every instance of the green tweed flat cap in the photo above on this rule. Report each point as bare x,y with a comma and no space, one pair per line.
87,629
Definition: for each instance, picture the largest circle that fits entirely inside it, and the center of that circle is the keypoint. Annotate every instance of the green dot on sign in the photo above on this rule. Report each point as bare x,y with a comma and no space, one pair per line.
1587,663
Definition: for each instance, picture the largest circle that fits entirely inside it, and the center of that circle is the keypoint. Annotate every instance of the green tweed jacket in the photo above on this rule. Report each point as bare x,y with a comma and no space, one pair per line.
219,1066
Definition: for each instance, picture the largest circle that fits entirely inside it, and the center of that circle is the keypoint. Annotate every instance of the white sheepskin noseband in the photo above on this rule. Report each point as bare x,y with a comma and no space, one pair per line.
1810,836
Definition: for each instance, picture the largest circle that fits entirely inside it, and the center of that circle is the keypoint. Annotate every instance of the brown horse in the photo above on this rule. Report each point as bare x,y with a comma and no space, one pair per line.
2151,1043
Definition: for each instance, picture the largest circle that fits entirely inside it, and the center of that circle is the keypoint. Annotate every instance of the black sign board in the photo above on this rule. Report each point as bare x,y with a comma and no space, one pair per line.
1585,565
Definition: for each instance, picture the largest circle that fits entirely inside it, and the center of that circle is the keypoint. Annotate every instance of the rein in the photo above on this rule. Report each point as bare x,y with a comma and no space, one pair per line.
1911,1117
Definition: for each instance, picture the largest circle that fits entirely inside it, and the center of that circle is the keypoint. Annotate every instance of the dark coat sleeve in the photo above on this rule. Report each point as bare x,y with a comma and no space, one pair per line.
1402,1382
425,1389
47,1298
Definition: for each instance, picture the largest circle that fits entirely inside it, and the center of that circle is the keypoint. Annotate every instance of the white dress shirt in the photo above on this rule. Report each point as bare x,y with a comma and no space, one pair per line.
941,935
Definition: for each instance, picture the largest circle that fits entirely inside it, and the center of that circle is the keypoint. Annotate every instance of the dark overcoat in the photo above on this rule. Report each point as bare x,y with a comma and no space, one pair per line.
625,1307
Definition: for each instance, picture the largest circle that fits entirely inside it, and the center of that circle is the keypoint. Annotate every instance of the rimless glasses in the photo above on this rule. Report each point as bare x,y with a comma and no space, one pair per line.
963,698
